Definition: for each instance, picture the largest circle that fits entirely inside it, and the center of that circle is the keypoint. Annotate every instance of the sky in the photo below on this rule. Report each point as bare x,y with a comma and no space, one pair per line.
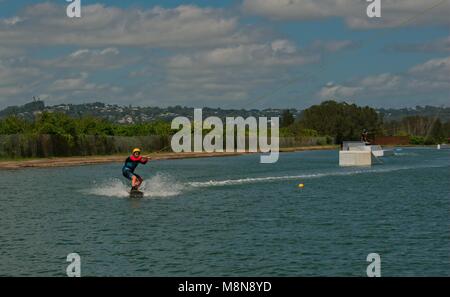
228,54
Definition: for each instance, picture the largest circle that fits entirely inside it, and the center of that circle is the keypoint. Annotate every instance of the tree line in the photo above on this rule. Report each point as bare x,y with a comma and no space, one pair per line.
337,120
345,121
56,123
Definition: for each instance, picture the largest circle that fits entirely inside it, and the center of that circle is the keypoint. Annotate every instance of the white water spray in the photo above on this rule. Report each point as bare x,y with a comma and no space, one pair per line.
156,186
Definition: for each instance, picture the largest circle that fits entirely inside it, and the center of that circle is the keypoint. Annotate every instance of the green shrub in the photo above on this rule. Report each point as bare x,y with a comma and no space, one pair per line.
418,140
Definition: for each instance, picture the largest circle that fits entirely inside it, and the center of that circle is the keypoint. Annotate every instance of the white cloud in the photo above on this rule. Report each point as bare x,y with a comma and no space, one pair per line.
233,73
438,68
22,78
208,54
70,84
182,26
334,45
384,81
276,53
9,52
79,88
439,45
183,55
18,79
89,59
283,46
332,91
394,12
201,41
12,21
429,79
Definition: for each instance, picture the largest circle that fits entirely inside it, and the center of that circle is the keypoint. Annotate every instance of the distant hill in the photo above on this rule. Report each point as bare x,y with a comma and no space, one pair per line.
31,107
130,114
428,111
134,114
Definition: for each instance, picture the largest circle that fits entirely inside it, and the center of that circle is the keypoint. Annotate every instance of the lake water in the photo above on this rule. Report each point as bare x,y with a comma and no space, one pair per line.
232,216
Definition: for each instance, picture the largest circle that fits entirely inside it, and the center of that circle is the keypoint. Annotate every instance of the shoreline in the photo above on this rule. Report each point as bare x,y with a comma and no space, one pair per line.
93,160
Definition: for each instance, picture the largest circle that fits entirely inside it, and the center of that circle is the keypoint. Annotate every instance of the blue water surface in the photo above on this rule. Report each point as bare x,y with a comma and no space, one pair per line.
231,216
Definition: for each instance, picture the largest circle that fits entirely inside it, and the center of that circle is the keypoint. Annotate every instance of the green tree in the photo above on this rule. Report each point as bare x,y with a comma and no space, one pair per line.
94,126
437,132
341,120
446,128
13,125
287,118
56,124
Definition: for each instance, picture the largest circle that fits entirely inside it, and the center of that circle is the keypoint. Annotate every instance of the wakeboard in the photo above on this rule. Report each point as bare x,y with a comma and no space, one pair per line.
136,194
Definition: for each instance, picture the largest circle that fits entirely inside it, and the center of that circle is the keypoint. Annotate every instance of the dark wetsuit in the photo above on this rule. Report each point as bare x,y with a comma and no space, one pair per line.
130,165
365,137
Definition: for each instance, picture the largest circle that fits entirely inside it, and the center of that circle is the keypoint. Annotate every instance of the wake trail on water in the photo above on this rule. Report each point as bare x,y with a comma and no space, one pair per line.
251,180
400,154
162,185
157,186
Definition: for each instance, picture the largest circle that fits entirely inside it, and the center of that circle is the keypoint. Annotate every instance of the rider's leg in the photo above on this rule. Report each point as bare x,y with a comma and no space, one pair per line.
139,181
134,181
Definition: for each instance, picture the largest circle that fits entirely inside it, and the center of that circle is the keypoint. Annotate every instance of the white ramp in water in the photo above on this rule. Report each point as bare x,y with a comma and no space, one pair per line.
355,158
443,146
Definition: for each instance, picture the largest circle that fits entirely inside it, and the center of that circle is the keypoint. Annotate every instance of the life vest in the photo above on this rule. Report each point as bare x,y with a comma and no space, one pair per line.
132,162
